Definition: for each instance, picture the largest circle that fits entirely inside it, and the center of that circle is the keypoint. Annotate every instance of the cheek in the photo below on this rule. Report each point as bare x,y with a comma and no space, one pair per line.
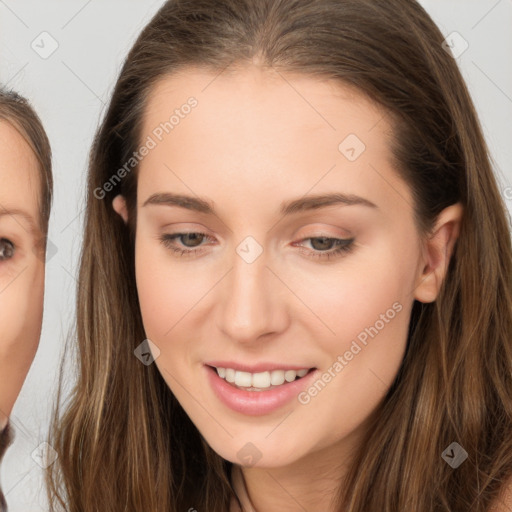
348,299
167,291
367,309
21,308
361,321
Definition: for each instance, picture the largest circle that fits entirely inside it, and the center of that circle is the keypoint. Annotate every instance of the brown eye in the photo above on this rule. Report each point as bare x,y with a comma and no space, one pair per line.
328,247
184,239
325,243
6,249
194,239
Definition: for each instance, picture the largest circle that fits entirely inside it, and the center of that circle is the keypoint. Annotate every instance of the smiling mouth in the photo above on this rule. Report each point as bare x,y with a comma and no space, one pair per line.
261,381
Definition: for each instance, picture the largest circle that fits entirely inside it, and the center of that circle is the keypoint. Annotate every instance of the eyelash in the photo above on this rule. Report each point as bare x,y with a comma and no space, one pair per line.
344,246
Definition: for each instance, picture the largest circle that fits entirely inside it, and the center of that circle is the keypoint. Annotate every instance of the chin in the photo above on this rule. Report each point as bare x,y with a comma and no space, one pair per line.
258,453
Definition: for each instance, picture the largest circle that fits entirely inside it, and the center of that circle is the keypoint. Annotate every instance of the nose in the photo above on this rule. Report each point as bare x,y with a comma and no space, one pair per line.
252,302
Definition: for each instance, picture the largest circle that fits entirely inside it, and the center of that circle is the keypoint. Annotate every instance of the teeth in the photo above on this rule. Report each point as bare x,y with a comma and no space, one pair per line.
243,379
277,377
289,375
259,381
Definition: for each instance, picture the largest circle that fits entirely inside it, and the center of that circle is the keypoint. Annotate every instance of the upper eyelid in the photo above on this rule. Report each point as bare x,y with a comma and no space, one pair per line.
29,225
18,235
320,233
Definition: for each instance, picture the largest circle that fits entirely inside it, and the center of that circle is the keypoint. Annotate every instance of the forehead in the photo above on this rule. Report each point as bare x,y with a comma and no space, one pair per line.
262,94
258,127
19,175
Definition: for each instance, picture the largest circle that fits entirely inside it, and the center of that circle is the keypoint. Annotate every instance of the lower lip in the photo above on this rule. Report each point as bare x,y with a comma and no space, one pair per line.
257,403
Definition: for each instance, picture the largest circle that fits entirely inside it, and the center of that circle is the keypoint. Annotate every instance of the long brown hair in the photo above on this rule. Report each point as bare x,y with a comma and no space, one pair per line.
125,443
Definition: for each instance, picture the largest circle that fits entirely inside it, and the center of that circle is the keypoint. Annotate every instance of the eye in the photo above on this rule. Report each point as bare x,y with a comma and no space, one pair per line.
323,247
6,249
194,239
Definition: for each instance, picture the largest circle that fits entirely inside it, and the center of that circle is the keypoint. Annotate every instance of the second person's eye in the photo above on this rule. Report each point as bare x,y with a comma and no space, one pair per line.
6,249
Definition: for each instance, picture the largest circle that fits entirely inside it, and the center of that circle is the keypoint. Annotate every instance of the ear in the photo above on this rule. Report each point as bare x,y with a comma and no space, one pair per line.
437,251
119,205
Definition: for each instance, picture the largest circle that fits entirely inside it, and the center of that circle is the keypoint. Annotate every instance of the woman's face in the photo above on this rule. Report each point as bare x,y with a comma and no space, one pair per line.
21,263
273,235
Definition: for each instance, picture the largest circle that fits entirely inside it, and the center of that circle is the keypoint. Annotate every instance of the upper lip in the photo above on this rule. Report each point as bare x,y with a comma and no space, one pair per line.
257,368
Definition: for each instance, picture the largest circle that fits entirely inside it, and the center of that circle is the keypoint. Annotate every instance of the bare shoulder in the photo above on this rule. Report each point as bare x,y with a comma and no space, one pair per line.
504,501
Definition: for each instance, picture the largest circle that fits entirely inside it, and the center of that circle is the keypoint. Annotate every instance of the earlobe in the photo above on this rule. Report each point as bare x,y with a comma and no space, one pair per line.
119,205
437,252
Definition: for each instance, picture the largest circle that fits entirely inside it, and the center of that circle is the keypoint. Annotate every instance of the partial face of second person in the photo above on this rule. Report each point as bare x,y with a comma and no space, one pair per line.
21,264
283,298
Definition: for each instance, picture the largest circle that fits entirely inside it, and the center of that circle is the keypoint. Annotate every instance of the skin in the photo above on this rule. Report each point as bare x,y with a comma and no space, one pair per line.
252,142
21,271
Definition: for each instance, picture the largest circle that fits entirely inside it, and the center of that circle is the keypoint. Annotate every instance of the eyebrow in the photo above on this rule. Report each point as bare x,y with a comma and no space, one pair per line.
287,207
12,212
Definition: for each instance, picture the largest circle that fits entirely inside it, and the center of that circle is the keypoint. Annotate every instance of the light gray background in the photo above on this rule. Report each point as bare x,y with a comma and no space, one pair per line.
70,88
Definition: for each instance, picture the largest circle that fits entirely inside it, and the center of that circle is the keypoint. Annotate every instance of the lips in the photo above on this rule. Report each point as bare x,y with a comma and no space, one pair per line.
252,401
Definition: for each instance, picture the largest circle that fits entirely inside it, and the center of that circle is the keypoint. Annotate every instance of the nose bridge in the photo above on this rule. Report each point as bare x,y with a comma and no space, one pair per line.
250,301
